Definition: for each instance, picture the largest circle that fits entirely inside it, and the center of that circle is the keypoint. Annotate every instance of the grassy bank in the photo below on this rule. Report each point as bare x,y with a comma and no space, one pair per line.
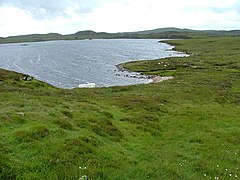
184,128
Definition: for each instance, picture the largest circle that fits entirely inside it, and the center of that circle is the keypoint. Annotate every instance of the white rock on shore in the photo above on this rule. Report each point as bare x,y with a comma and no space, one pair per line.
87,85
157,79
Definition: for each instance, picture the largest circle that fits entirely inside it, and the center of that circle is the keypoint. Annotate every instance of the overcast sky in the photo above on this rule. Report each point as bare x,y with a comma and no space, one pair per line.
19,17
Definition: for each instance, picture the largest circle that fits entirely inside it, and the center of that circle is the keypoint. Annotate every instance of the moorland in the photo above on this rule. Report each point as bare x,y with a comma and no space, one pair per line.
184,128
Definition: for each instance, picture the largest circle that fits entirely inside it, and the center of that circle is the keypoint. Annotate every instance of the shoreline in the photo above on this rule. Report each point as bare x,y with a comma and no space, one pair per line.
120,67
152,78
158,79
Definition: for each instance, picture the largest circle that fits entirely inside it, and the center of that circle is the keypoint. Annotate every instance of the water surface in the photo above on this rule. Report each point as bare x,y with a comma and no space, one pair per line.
67,64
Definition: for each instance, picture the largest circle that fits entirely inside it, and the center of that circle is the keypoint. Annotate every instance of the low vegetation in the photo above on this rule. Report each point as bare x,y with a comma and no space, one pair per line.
161,33
184,128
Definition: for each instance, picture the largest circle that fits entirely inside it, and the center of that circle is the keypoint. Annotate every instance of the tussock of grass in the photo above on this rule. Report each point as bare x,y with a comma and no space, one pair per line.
35,133
64,124
6,166
183,128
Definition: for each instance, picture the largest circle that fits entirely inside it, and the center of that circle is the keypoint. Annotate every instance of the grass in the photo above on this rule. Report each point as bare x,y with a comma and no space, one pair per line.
184,128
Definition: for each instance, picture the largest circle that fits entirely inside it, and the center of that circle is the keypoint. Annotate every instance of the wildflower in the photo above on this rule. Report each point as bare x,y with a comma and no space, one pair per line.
83,177
217,165
205,174
230,174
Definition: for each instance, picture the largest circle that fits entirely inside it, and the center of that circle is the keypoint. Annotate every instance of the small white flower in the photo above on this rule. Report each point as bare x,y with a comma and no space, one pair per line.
226,169
83,177
230,174
205,175
217,165
236,176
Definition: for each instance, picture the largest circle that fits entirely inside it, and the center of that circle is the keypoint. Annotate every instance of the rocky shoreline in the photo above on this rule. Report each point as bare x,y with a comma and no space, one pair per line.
152,78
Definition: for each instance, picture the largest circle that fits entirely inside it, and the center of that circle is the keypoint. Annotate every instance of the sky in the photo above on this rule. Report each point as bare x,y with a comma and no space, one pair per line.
19,17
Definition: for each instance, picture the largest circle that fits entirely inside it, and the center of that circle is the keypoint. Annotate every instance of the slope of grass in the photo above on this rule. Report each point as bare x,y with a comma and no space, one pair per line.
184,128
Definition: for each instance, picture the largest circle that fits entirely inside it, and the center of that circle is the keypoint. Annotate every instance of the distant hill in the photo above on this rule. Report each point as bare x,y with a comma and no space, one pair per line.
221,32
84,33
32,38
163,30
88,34
160,33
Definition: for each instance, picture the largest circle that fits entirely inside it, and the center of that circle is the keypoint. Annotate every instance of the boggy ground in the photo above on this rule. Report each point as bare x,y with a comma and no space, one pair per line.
184,128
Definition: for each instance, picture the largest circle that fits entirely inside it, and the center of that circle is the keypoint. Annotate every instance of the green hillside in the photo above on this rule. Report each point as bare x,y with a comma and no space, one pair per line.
184,128
32,38
163,30
161,33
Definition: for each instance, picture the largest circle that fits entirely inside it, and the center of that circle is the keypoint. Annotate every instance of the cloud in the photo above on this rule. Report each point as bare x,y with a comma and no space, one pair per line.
20,22
69,16
45,9
139,15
